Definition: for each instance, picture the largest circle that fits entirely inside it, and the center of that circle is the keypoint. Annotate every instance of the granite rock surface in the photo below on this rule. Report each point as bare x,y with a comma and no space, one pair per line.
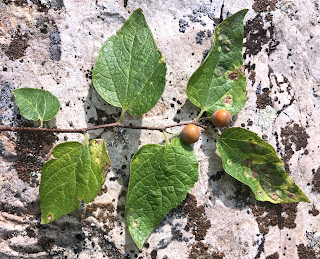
53,45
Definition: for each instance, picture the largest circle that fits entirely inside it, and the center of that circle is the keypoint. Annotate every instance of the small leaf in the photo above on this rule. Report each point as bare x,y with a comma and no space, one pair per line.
255,163
160,178
36,104
219,81
130,71
76,173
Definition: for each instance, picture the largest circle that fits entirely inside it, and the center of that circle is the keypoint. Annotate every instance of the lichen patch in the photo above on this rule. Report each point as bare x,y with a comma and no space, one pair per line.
197,220
264,5
281,215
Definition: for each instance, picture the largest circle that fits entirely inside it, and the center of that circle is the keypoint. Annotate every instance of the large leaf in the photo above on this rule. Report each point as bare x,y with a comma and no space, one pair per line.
160,178
219,81
255,163
130,71
36,104
76,173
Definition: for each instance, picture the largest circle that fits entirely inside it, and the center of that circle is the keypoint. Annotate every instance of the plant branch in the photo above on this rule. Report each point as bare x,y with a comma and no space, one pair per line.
111,125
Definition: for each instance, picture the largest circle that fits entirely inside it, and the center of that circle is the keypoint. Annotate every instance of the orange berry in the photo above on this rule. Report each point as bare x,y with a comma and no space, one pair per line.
190,133
221,118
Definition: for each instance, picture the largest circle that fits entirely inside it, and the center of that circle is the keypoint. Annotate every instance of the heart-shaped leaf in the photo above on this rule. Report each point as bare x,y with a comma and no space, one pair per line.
76,173
255,163
130,71
36,104
219,81
160,178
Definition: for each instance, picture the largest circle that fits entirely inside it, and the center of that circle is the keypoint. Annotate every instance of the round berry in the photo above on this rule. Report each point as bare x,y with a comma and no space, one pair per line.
190,134
221,118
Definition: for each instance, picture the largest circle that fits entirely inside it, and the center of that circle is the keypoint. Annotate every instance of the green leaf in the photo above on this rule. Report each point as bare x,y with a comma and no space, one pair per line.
76,173
36,104
160,178
255,163
219,82
130,71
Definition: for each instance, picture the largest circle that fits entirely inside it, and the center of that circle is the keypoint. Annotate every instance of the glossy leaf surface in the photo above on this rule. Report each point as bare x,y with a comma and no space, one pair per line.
160,178
36,104
130,71
255,163
219,82
76,173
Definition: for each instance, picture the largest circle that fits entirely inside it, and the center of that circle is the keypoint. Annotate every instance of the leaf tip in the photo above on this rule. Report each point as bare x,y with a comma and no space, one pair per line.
138,11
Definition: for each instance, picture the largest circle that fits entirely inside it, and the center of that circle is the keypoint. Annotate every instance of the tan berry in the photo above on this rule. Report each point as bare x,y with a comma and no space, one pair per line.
221,118
190,134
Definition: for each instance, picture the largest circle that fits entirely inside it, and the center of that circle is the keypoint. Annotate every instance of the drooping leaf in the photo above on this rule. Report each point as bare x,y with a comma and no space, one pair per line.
130,71
75,174
255,163
36,104
219,82
160,178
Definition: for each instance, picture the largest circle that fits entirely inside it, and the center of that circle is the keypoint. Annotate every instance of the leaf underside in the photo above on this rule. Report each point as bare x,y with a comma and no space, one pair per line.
36,104
255,163
75,174
160,178
130,71
219,82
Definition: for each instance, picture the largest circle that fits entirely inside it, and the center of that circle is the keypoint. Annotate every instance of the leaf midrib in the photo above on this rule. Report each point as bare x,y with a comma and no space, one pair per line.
32,105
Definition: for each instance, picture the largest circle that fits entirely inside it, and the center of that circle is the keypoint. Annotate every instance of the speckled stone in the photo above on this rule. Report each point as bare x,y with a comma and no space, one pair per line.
53,44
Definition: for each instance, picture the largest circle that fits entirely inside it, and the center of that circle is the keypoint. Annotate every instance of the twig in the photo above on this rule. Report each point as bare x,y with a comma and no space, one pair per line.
111,125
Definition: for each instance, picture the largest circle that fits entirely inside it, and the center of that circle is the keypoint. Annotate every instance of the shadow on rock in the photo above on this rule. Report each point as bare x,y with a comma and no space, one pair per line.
122,144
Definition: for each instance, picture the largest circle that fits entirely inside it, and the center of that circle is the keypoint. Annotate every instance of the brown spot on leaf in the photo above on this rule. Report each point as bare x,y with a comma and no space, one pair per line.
49,217
274,196
255,175
247,162
227,99
233,75
98,141
291,195
253,145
